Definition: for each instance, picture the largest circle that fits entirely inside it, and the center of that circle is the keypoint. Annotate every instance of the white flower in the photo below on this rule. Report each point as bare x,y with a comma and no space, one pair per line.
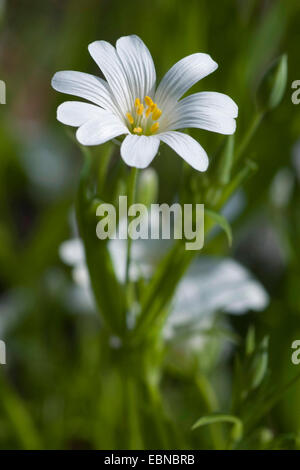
128,102
215,284
211,284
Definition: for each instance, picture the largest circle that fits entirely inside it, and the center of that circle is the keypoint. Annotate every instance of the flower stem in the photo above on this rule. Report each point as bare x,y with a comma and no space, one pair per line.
208,394
109,294
131,199
104,161
258,117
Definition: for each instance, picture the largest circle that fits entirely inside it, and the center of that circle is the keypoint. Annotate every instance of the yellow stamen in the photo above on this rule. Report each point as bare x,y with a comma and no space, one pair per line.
148,112
130,118
156,114
137,102
153,107
140,109
148,101
154,127
137,130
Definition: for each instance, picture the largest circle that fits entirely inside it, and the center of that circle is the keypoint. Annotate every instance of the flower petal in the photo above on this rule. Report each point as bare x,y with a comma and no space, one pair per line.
76,113
187,148
72,252
85,86
182,76
214,100
208,110
138,65
98,130
139,151
106,57
213,284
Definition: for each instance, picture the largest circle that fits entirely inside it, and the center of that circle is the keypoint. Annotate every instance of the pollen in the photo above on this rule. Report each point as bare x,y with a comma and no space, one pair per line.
140,109
143,117
148,112
154,127
148,101
130,118
156,114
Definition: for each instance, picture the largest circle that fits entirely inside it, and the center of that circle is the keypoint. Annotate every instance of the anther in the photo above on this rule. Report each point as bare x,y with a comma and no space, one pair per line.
154,127
140,109
130,118
148,101
137,102
148,112
156,114
137,130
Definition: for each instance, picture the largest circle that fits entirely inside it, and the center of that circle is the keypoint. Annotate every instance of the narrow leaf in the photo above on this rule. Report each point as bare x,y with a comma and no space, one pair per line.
222,221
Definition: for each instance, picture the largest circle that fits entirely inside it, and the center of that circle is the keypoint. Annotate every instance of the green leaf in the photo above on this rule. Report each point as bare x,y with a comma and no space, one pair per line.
260,363
237,428
222,221
273,84
250,341
20,417
268,400
249,168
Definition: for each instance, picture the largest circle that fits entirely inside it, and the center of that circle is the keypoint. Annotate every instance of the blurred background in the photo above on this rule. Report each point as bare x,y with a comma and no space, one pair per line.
51,389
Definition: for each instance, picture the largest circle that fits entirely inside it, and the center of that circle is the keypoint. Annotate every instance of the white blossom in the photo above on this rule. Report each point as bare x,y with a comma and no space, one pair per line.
128,103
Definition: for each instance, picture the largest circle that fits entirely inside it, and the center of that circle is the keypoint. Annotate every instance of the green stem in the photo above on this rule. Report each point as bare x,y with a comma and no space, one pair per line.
211,401
159,417
103,167
249,168
133,434
258,117
131,199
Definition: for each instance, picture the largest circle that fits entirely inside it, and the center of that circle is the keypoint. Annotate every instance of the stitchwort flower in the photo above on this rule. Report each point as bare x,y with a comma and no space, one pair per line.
129,103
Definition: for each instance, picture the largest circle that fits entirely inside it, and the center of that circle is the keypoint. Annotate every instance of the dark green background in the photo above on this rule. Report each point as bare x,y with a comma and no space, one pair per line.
48,390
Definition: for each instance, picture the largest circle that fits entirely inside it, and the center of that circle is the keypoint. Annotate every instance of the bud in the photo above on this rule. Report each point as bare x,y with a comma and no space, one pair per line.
147,187
260,363
272,86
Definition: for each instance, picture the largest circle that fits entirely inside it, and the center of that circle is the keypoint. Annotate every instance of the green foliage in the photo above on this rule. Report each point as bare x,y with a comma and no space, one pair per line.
273,85
81,377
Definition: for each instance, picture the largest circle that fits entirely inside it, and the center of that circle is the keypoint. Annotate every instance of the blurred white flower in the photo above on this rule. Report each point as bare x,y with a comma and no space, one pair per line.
80,295
129,103
72,253
282,187
211,284
214,284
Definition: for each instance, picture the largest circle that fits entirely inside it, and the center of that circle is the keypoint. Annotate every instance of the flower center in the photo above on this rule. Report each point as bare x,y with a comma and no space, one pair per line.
144,118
